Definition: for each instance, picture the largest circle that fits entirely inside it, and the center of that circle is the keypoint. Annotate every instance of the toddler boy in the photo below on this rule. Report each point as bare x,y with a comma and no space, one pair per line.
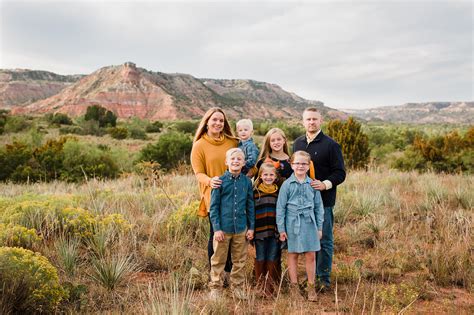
232,216
244,132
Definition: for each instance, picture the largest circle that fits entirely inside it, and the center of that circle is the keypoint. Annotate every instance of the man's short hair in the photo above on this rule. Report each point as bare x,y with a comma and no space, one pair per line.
245,122
311,109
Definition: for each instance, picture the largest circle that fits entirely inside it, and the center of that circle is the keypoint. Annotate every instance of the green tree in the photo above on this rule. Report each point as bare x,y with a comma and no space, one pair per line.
171,149
105,117
354,143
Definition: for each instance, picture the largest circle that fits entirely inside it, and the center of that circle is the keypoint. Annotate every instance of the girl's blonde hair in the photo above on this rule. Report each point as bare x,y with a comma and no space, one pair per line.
265,167
266,149
301,153
202,128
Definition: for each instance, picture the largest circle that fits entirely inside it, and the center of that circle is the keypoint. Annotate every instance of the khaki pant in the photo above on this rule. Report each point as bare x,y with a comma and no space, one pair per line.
237,244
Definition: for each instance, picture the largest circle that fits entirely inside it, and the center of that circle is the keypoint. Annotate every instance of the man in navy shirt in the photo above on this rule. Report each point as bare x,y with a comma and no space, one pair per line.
326,156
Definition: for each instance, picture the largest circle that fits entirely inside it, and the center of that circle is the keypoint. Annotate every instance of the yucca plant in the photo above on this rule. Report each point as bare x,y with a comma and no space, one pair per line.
174,296
111,271
68,254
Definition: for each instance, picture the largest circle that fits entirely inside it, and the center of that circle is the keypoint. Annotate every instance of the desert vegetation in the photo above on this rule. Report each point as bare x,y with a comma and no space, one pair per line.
93,219
403,242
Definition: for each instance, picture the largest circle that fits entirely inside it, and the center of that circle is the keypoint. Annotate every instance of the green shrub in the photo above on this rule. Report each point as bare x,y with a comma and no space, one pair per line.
118,132
16,124
59,119
354,143
189,126
171,149
154,127
13,158
137,133
82,159
3,119
18,236
91,127
399,296
28,282
70,130
49,158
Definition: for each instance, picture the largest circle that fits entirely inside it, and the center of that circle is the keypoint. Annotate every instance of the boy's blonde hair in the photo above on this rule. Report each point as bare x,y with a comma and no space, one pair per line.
244,122
233,151
266,149
301,153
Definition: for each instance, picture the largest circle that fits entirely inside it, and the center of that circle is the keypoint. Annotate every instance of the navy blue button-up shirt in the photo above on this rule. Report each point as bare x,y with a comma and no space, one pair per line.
232,209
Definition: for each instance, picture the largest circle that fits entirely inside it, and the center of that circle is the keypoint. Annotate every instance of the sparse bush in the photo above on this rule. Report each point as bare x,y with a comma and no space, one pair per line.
91,127
3,119
18,236
28,282
171,149
118,132
399,296
154,127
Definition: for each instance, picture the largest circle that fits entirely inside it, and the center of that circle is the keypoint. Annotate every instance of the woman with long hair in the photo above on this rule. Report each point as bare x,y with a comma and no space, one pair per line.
213,138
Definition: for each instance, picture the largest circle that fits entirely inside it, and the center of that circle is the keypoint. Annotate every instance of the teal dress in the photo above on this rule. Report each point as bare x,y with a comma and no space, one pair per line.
300,214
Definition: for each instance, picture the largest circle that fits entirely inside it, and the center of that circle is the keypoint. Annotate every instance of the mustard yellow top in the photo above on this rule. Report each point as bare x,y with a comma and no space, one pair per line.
208,160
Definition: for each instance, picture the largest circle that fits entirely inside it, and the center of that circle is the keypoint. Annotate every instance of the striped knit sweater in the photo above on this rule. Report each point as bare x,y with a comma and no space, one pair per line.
265,214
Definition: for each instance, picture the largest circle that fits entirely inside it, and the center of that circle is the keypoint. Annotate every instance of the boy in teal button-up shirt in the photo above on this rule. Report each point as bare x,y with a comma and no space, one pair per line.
232,216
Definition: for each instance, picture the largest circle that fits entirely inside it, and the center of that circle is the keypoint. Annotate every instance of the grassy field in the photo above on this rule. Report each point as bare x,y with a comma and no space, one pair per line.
403,243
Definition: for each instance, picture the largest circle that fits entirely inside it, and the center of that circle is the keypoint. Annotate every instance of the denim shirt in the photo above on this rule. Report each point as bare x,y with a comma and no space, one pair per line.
251,154
299,201
232,209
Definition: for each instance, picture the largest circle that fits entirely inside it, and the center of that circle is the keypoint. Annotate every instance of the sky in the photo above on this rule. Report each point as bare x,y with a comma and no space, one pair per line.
347,54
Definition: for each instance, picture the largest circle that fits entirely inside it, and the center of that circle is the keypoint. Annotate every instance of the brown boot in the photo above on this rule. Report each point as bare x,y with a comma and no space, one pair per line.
273,281
260,274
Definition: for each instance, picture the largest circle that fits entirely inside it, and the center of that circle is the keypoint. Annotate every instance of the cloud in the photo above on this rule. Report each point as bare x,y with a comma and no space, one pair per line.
346,54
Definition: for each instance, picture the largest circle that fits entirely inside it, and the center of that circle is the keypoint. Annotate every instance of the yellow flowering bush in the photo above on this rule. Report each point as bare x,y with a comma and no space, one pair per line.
28,282
76,221
186,216
399,295
116,222
18,236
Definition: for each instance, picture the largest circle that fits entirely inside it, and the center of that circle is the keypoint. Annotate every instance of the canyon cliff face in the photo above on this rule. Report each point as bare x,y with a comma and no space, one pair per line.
22,87
130,91
421,113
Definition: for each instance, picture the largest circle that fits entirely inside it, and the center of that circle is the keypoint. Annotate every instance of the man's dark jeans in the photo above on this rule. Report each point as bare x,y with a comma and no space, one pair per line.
324,256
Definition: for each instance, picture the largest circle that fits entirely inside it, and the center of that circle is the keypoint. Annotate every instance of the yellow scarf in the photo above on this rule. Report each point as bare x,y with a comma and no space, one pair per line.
267,189
214,141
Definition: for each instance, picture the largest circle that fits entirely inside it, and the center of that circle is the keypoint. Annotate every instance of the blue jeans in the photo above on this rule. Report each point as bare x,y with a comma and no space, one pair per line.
267,249
324,256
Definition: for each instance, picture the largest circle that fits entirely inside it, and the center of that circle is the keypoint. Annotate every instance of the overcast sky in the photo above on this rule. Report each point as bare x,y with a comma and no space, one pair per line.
347,54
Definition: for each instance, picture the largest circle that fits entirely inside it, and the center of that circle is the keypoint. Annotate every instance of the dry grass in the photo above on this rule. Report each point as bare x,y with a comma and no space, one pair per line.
403,244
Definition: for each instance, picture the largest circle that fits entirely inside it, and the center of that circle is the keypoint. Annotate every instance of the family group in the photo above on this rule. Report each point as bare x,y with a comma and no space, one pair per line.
268,198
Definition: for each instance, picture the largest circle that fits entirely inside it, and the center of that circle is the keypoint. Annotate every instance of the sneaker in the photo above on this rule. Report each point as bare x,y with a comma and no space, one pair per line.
240,294
312,296
214,295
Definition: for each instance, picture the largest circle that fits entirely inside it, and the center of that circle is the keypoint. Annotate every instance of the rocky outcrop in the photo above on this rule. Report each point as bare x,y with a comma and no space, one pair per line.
130,91
22,87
